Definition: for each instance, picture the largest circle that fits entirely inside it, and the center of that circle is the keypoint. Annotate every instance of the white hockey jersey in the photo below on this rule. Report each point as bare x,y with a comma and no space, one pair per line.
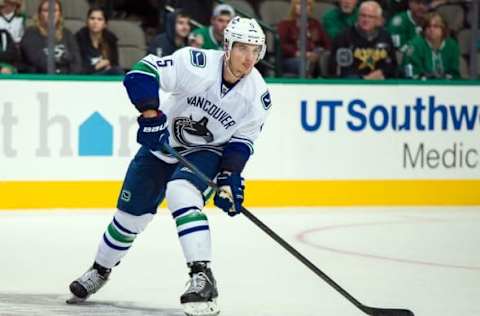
200,112
14,24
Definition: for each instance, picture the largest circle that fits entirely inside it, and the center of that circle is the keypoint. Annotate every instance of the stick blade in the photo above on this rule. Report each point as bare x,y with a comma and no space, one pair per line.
388,312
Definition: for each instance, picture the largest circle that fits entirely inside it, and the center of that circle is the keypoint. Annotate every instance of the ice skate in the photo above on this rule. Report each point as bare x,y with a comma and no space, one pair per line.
87,284
200,298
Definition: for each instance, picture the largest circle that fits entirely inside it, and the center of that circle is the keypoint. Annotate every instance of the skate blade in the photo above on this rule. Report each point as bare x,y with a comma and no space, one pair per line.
75,300
201,308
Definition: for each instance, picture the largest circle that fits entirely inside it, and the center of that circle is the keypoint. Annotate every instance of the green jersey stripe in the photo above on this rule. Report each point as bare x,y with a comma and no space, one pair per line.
144,67
142,72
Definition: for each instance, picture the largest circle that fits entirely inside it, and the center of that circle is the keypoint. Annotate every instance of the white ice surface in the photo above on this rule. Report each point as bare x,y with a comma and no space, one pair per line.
424,259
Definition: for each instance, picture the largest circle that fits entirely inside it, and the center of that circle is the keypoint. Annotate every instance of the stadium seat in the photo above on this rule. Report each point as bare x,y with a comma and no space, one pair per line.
129,55
464,41
74,25
453,15
131,41
129,33
75,9
478,66
242,5
464,71
274,11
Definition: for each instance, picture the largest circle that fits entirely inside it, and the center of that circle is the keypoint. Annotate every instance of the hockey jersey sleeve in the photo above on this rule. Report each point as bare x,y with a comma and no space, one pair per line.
152,73
240,147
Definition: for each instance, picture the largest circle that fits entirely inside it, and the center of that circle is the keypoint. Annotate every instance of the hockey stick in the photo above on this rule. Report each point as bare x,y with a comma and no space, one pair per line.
374,311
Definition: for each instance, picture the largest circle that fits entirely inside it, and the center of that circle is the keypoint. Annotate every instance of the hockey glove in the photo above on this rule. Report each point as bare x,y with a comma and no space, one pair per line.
153,131
230,197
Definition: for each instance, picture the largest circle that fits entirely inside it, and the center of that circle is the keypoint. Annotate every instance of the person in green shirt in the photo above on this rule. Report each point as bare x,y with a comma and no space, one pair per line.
211,37
404,26
338,19
434,55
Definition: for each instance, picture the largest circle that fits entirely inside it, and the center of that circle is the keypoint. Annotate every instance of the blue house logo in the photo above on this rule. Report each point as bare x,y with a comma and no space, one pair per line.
95,137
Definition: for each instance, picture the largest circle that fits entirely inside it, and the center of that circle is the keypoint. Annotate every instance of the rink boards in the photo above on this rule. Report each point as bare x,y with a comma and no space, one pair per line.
67,143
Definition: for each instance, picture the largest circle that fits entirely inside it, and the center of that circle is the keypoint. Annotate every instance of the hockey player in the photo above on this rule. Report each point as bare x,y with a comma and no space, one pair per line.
217,105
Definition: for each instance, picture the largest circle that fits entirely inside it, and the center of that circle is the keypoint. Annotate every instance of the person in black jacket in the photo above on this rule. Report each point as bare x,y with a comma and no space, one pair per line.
364,50
34,44
177,29
8,53
98,45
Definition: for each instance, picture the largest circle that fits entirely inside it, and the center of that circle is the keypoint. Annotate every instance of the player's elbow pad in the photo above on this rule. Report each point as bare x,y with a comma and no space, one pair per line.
235,157
142,91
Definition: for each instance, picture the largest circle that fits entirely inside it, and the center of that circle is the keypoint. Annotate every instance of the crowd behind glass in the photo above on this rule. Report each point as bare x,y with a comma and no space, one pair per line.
354,39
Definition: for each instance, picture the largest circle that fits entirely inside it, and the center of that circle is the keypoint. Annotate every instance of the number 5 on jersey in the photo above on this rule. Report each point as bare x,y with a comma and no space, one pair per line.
165,62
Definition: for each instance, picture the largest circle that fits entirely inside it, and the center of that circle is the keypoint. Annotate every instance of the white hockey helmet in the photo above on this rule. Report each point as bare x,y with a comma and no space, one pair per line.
244,30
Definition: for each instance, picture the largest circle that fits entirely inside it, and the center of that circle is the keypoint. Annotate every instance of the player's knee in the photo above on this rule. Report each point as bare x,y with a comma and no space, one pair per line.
133,223
181,193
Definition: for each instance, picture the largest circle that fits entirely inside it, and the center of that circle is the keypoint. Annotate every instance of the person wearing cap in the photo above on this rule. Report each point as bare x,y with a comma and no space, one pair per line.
11,19
211,37
406,25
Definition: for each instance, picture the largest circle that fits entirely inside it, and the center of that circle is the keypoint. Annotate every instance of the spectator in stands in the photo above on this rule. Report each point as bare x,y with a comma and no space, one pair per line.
289,32
211,37
12,20
98,45
338,19
432,55
8,53
177,29
34,44
406,25
366,49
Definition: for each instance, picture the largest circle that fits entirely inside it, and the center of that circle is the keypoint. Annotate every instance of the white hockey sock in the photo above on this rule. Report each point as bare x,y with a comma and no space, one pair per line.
185,202
119,237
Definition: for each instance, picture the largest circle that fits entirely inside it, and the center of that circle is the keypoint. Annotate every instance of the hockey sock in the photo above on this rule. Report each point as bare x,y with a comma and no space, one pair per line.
185,202
119,237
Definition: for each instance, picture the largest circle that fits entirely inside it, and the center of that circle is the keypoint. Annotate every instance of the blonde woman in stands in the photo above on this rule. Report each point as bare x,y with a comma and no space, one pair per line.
34,44
98,45
12,19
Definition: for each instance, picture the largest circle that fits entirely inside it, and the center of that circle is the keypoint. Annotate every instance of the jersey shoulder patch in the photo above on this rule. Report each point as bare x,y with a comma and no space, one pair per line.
266,100
198,58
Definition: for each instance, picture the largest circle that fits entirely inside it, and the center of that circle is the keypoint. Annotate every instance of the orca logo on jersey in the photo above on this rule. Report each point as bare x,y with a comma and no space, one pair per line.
189,132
